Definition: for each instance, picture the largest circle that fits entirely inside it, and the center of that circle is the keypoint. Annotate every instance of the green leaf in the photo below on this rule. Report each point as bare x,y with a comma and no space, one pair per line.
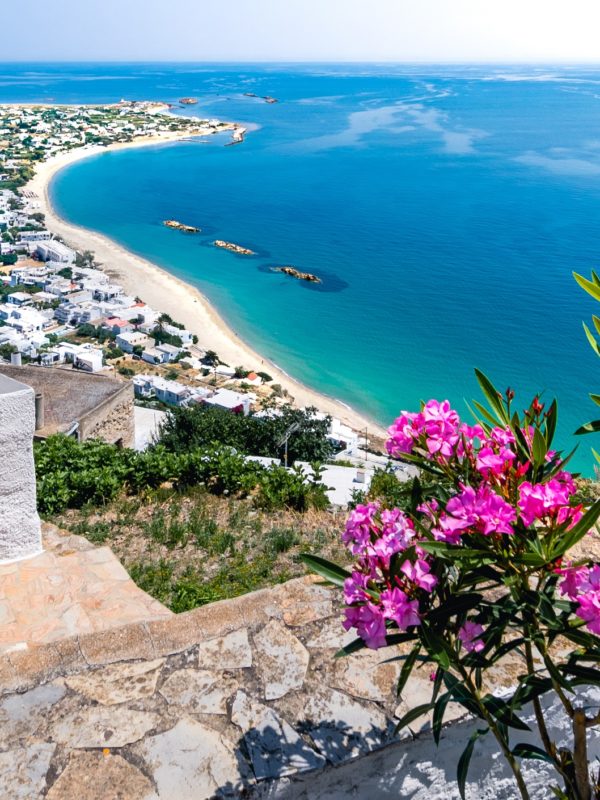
591,288
438,715
484,412
412,715
596,398
501,710
539,448
493,396
589,427
452,551
326,569
583,674
456,605
437,647
551,419
530,687
525,750
463,762
591,339
407,668
352,647
577,532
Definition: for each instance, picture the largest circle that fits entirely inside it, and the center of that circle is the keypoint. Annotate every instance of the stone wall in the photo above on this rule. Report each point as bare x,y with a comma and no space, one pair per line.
20,534
112,421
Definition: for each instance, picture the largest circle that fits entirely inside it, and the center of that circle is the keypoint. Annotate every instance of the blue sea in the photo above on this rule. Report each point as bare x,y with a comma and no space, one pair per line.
444,207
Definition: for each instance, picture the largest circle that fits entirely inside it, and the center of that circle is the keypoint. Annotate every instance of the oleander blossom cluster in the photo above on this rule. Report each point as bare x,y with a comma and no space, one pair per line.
395,581
582,586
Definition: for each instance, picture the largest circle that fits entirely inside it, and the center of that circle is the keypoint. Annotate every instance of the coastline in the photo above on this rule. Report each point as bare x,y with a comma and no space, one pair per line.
165,292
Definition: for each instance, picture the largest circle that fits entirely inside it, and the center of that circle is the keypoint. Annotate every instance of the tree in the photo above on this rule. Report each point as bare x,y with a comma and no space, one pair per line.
204,425
211,358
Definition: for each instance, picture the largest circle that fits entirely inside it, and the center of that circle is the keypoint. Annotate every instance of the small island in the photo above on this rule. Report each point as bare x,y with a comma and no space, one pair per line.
267,98
234,248
188,101
179,226
296,273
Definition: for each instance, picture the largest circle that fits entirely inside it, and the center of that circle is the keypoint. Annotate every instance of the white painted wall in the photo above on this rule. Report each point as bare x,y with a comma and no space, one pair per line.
20,534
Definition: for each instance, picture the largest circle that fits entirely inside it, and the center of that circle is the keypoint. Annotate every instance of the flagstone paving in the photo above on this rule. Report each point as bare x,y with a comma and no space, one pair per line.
70,589
219,702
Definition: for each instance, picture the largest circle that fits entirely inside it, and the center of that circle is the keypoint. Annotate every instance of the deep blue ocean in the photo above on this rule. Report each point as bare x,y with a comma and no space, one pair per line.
445,209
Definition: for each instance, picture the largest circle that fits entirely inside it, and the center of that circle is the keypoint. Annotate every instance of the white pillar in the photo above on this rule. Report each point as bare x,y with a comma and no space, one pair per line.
20,533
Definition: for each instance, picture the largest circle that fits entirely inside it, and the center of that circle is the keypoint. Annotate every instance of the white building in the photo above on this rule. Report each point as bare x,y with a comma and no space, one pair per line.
231,401
130,339
55,251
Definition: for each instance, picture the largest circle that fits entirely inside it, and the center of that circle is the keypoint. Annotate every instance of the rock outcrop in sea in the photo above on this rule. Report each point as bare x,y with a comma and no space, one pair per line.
296,273
179,226
234,248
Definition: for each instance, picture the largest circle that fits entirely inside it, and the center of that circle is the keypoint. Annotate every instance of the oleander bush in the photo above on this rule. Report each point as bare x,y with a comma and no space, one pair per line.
485,560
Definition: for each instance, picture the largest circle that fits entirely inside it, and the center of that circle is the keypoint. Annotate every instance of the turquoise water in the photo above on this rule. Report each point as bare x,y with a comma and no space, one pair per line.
444,208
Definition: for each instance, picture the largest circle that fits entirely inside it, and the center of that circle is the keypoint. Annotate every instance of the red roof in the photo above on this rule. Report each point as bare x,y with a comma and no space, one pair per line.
252,376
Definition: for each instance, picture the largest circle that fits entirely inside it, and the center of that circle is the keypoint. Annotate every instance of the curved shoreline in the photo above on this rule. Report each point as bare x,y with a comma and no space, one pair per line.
165,292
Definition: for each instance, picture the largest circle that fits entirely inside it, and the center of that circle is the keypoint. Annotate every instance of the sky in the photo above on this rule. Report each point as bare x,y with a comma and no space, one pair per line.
301,30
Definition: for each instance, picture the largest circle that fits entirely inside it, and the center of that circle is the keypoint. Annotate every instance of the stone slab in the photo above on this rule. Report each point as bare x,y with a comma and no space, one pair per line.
99,776
101,726
232,651
193,762
118,683
23,771
275,748
342,727
199,691
282,660
22,714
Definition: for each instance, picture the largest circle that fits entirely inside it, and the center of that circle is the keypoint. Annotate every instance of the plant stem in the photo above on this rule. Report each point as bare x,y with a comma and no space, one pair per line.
580,758
513,763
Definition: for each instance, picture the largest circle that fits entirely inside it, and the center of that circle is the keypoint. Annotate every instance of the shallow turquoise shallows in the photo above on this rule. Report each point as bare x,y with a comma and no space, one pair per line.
444,208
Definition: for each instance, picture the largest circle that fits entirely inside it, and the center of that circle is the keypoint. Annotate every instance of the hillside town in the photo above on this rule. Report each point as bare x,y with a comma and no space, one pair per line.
30,134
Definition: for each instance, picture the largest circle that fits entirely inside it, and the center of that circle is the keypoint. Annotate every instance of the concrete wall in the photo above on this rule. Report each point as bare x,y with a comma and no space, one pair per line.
20,534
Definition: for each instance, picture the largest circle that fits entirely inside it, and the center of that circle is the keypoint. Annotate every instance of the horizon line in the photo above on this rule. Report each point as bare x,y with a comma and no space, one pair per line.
382,62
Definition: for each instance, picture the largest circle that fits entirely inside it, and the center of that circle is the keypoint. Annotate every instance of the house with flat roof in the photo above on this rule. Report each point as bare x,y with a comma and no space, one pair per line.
231,401
55,251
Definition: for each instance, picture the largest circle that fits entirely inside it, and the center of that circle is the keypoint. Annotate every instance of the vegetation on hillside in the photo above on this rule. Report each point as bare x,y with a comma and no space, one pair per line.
204,426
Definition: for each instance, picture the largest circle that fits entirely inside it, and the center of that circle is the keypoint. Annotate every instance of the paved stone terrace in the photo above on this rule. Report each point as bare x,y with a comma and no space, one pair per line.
219,701
71,588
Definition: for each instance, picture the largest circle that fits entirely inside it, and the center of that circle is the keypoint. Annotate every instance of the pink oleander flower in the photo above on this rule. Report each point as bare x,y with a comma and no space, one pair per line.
469,635
549,500
471,432
589,610
369,623
491,463
579,580
359,526
355,588
419,574
502,436
398,607
397,531
482,510
441,427
404,432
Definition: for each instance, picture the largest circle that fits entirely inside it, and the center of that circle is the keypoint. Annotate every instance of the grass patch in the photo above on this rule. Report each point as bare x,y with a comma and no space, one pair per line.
187,549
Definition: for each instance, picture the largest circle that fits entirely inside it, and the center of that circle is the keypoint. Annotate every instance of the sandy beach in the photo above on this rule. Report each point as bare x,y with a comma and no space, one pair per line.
166,293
